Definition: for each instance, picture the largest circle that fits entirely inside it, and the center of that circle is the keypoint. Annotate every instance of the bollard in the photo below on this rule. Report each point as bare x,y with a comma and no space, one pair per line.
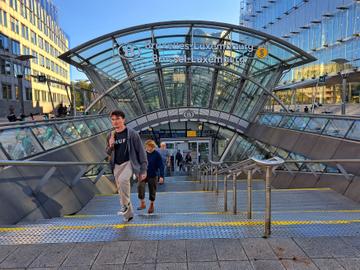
225,193
249,194
268,202
234,194
212,180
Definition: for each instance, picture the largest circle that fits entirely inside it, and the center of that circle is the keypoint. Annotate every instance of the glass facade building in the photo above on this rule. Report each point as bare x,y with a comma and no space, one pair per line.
327,29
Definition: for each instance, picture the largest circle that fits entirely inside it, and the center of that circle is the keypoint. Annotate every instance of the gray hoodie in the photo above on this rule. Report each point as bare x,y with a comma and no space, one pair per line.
137,154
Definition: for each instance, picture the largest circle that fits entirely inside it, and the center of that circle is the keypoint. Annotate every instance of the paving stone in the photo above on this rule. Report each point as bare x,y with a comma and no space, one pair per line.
5,251
286,248
23,256
327,264
352,240
171,266
258,248
350,263
229,250
327,247
300,264
171,251
200,250
75,267
107,267
52,256
141,266
113,253
235,265
267,265
83,254
203,266
142,252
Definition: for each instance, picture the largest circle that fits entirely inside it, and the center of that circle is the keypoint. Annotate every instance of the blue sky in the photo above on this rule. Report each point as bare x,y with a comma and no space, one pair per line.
83,20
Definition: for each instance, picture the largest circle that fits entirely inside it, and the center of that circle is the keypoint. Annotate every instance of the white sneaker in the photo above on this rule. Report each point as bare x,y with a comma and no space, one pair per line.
123,210
128,219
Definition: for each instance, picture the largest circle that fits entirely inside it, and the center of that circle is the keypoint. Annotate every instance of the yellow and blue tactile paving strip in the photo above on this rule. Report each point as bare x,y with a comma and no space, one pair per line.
193,214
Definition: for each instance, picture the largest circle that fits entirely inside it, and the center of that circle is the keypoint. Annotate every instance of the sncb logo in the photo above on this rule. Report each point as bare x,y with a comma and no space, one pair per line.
129,51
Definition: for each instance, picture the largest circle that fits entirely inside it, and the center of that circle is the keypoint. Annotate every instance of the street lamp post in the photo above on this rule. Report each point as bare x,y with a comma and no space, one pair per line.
344,76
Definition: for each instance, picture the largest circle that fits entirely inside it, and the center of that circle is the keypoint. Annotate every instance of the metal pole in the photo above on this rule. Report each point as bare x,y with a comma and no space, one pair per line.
225,193
212,180
234,194
20,86
74,100
51,97
249,195
204,176
216,181
343,94
268,202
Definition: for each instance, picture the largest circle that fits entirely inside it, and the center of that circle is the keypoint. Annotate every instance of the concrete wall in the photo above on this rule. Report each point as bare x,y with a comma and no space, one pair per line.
313,146
57,196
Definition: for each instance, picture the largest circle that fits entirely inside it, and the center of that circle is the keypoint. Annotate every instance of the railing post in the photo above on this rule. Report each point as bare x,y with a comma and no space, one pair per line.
225,193
204,180
249,194
234,194
212,180
207,179
268,201
216,181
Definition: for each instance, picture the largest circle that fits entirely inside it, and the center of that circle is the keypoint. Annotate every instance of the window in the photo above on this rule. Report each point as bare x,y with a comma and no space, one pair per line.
37,95
13,4
27,73
43,96
5,67
3,18
47,63
14,25
33,38
6,91
42,60
24,32
47,49
35,60
15,47
17,70
23,8
4,42
41,43
26,50
28,94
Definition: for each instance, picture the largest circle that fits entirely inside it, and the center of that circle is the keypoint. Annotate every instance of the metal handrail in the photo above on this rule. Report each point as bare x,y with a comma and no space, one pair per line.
312,115
48,163
23,124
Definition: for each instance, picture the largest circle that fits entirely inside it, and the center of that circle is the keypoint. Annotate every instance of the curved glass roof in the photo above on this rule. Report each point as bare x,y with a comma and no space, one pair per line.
193,64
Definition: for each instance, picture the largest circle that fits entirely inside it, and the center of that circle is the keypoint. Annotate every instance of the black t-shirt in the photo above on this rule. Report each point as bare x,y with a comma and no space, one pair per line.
121,147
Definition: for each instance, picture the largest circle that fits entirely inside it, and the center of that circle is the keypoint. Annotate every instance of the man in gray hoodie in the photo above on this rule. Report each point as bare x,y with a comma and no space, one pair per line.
127,156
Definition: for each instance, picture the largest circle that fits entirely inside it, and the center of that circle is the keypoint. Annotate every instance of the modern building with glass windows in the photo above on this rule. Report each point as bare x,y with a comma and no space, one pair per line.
327,29
29,28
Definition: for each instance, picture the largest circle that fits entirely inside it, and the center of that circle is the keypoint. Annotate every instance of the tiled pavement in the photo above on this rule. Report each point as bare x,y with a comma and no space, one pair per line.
230,254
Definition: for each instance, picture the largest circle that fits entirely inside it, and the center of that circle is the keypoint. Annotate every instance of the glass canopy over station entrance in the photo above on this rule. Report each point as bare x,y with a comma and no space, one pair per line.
198,71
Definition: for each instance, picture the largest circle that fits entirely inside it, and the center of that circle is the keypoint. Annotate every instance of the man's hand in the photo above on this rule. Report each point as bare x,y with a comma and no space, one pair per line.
111,141
161,180
142,177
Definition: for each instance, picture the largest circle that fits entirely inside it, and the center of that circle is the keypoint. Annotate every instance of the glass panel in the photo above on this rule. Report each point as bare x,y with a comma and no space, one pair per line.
68,131
275,120
299,123
82,129
316,125
226,88
286,122
337,127
19,143
101,124
2,156
107,122
93,126
354,132
201,79
48,136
